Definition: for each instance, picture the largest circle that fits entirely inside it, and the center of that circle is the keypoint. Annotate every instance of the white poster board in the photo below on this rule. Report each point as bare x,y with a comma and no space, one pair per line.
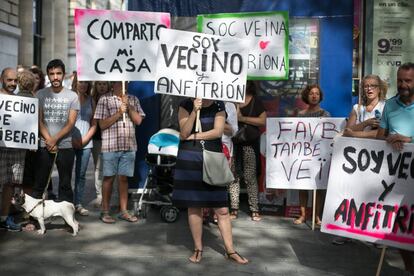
370,193
19,122
117,45
392,39
267,34
201,66
298,151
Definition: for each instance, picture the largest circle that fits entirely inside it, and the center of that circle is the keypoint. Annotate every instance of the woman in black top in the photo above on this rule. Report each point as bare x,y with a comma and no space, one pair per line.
251,114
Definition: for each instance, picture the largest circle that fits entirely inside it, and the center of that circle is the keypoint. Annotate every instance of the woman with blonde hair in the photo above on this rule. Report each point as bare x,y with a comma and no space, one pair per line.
364,119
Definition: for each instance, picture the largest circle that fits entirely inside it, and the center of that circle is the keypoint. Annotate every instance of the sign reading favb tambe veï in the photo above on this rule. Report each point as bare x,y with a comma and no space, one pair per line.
298,151
201,66
267,35
18,122
117,45
370,193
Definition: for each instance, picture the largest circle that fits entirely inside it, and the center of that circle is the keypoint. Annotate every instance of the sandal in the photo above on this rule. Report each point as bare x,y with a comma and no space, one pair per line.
256,216
106,218
229,256
198,254
125,215
318,222
299,220
29,227
234,214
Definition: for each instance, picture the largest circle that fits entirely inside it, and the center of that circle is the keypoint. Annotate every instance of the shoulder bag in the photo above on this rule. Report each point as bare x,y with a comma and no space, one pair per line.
216,169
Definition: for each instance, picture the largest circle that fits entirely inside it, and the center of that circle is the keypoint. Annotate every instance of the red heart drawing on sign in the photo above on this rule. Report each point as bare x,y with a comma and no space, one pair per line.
263,44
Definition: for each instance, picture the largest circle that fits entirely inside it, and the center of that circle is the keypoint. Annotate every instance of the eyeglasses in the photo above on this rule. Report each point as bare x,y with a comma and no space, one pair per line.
370,86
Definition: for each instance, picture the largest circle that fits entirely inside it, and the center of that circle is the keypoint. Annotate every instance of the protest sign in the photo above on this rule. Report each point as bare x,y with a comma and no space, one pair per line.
117,45
267,35
298,151
18,122
201,66
370,193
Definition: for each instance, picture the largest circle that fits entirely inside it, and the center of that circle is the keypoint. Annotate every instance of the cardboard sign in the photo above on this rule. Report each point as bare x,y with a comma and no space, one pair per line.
19,122
371,193
298,151
117,45
267,35
201,66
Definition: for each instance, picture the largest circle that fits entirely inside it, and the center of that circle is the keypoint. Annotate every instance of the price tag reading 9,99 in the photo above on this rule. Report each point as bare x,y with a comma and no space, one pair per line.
386,45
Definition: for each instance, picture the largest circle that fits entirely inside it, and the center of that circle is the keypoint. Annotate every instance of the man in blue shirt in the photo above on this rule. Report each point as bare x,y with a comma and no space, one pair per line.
397,126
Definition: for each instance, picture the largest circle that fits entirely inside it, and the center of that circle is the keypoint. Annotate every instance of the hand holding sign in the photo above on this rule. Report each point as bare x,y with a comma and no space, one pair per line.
201,66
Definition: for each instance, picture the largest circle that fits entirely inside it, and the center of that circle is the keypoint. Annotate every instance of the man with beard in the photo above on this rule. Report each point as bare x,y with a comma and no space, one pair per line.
11,160
58,109
397,126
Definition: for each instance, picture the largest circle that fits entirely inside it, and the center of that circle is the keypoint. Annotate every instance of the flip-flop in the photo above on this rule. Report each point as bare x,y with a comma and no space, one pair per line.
299,220
125,215
106,218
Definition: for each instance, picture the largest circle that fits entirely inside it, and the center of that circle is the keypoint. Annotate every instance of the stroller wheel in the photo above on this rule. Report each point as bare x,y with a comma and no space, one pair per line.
144,210
169,213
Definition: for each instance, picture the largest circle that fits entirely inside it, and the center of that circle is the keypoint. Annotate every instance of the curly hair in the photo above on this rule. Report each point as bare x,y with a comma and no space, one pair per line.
305,92
26,80
39,72
382,86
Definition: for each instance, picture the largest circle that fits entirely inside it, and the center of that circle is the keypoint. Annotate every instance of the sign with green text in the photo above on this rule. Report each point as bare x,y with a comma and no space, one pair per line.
267,34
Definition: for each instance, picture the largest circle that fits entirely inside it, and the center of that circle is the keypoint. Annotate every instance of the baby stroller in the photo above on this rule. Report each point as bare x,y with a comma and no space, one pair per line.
161,158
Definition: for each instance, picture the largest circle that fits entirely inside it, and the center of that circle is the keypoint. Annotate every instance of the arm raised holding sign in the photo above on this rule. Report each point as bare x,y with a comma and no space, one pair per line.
190,190
188,120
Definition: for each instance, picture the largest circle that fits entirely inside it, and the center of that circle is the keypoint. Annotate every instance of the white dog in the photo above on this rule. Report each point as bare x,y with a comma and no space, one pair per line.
49,208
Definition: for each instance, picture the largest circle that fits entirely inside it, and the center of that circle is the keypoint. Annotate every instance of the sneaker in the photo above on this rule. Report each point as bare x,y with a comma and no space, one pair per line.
10,225
82,211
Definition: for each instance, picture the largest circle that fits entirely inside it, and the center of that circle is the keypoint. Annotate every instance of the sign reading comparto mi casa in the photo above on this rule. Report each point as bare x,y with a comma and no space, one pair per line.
201,66
117,45
267,34
370,193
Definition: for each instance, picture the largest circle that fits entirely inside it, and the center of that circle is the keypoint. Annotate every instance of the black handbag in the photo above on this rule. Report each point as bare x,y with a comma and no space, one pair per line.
246,133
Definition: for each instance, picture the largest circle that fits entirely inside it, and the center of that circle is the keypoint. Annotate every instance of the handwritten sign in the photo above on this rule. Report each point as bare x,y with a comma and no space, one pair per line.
18,122
267,34
298,151
370,193
201,66
117,45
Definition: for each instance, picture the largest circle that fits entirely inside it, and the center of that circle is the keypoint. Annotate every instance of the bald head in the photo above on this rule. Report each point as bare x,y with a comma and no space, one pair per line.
8,80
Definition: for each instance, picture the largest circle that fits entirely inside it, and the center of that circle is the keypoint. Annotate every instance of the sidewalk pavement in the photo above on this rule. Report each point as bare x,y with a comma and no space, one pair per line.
274,246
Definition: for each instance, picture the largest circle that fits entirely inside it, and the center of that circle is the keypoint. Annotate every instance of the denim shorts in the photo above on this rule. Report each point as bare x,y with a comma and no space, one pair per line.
118,163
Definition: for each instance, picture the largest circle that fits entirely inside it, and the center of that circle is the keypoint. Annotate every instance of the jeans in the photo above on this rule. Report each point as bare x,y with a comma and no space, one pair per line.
64,163
81,165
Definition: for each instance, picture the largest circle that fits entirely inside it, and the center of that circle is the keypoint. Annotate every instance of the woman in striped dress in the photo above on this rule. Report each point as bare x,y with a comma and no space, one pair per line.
189,189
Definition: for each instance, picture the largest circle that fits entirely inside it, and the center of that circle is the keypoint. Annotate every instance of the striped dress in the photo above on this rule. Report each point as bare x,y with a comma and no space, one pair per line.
189,188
